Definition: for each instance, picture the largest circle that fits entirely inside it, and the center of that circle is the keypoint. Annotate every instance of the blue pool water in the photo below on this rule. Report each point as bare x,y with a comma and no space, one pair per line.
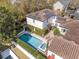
32,41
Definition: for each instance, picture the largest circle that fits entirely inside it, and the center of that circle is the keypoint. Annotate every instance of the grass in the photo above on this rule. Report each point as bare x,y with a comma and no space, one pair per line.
27,47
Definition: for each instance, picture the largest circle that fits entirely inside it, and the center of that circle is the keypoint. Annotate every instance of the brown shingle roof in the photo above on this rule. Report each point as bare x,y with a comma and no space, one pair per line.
63,20
64,48
73,31
41,15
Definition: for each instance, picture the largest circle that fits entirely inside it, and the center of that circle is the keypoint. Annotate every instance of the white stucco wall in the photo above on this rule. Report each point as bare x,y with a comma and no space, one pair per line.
36,23
45,24
61,30
52,20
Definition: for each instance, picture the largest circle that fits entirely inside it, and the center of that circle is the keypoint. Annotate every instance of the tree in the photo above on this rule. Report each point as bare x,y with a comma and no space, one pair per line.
56,31
8,20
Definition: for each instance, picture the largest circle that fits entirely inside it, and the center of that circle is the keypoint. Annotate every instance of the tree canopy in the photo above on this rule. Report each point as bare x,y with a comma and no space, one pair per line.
9,23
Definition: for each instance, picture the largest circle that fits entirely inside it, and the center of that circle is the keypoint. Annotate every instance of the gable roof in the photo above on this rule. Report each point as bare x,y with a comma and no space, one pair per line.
41,15
66,49
73,31
63,2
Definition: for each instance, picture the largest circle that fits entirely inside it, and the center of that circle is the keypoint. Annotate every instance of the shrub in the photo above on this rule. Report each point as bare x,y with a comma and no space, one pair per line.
56,31
37,30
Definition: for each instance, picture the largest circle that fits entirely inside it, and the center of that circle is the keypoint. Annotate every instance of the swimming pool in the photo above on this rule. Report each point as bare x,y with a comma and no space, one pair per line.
32,41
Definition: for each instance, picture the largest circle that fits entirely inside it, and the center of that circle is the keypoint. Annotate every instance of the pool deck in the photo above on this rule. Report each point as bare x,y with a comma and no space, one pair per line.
39,37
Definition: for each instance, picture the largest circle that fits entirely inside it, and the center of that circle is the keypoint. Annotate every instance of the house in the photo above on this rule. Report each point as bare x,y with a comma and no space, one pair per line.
12,1
64,48
8,54
71,13
61,5
73,31
40,18
76,14
70,28
57,22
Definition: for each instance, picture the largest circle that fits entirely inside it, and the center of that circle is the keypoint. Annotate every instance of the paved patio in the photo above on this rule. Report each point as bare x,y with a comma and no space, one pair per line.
19,53
49,37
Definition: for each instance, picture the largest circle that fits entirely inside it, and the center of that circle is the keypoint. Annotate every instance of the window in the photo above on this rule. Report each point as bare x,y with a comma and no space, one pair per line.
33,21
64,30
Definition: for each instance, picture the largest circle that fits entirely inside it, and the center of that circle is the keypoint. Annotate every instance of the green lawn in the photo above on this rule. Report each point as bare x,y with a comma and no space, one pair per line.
27,47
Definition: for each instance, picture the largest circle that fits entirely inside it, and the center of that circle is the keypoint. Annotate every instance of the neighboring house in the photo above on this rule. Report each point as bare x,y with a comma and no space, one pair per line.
15,1
61,5
76,14
64,48
8,54
70,13
67,46
12,1
57,22
73,31
40,18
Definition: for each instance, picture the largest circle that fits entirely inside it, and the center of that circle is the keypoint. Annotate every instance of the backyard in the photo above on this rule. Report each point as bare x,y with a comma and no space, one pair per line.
31,50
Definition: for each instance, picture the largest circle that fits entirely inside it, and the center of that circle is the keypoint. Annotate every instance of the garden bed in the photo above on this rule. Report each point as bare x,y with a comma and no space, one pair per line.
37,30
